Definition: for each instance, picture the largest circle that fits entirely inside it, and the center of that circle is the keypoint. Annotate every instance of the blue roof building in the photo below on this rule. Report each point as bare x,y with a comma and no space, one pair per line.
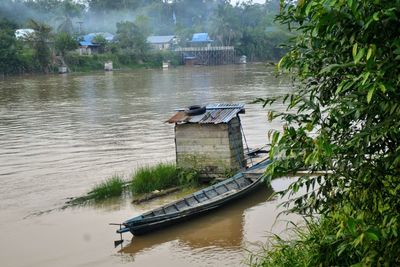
201,37
86,45
88,38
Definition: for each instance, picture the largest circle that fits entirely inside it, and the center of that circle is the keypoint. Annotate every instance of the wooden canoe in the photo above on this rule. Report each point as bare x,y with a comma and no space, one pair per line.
197,203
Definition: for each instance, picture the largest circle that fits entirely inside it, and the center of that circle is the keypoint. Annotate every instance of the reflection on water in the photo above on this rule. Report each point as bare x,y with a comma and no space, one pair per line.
61,134
220,228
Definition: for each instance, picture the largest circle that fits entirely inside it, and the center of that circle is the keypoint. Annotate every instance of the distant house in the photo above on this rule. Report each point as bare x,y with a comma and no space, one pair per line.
22,34
201,39
162,42
86,45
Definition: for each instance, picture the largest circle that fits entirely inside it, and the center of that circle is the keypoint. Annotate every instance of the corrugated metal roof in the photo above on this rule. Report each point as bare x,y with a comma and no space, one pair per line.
201,37
83,43
215,114
160,39
87,40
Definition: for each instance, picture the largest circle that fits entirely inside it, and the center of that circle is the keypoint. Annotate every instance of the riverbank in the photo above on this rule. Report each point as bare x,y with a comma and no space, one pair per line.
74,62
77,63
87,63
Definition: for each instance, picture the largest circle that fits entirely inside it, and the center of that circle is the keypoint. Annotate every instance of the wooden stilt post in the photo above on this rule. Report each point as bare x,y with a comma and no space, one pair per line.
214,55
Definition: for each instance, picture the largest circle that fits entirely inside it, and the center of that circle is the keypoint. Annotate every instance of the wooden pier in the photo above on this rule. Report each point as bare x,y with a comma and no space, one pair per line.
209,55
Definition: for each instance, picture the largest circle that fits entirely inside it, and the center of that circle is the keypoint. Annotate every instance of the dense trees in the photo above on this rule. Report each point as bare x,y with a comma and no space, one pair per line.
132,40
132,37
67,11
247,26
344,117
39,41
251,29
8,48
64,42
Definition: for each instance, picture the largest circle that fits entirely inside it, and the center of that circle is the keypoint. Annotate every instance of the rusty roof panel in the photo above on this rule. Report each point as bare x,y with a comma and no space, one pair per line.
180,116
215,114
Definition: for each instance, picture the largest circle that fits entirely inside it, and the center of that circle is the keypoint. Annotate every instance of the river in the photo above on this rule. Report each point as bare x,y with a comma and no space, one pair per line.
62,134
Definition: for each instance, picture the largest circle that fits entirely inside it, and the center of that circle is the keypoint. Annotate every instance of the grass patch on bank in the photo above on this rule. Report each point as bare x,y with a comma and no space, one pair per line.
111,187
145,180
161,176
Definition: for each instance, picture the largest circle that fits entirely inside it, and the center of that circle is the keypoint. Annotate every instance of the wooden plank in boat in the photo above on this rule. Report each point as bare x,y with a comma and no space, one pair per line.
201,197
211,193
187,202
233,185
221,189
158,212
169,209
182,205
255,171
243,182
252,176
204,192
192,200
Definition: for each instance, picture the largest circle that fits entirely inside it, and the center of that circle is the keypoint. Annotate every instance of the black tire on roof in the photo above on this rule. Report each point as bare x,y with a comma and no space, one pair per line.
195,110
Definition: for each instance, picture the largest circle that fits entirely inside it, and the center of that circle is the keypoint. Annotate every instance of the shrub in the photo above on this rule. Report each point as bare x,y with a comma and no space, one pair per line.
344,116
162,176
110,188
188,177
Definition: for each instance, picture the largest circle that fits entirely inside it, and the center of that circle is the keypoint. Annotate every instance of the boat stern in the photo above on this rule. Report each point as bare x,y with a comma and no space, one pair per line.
122,230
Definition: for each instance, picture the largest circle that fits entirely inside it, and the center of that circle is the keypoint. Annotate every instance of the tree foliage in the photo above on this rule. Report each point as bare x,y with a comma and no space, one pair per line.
345,117
64,42
101,41
107,5
40,42
247,26
68,10
133,38
9,61
250,28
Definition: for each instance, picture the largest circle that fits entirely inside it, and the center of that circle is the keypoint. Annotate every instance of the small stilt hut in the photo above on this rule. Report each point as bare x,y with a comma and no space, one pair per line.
209,139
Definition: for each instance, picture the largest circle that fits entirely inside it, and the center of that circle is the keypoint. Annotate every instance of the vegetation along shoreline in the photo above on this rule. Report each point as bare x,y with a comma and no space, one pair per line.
48,36
146,183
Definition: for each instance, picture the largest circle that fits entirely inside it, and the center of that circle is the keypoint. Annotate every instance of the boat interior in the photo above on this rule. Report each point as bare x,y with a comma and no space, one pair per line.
209,194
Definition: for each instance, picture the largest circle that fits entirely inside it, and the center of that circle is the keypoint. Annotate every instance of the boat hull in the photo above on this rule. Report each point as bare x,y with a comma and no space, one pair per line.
158,225
197,203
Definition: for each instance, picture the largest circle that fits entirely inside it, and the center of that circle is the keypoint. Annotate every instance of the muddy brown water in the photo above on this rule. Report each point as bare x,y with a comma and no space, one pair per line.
62,134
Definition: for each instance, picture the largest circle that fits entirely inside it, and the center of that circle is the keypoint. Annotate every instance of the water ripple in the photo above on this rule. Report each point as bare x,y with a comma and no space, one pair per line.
66,133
